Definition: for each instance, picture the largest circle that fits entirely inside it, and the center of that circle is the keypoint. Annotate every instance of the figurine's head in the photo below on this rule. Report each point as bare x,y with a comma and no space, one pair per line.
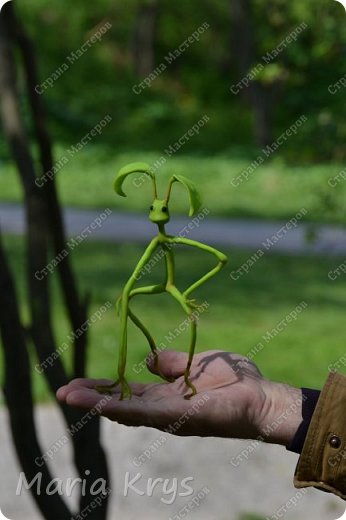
159,210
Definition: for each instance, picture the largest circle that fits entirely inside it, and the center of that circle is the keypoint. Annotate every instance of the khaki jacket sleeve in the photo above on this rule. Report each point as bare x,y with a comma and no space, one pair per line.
322,463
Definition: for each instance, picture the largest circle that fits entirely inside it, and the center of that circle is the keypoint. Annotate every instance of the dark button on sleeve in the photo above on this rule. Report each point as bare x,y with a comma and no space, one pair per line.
335,442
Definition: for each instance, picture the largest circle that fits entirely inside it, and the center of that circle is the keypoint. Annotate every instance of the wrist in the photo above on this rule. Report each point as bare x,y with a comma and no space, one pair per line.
282,413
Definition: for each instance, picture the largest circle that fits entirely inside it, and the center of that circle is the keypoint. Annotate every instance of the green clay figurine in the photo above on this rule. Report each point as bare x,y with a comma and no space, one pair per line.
159,214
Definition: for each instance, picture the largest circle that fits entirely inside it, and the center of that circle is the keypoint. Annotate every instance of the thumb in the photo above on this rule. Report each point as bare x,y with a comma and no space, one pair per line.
171,364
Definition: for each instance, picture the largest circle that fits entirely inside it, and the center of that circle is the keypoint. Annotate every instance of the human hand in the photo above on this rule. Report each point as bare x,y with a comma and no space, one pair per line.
233,399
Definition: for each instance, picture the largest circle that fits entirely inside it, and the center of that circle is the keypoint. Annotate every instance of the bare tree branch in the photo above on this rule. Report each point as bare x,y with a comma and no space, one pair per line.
88,453
77,310
17,390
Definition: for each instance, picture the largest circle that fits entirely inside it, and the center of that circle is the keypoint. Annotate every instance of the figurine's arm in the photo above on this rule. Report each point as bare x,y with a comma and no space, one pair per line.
137,271
220,256
148,289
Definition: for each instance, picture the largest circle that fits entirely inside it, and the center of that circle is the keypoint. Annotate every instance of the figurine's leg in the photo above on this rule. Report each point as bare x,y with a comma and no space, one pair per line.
125,389
152,344
193,336
121,302
150,289
123,306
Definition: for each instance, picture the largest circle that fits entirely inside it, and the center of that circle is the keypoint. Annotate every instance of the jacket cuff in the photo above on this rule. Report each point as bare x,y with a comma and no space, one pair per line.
322,463
309,402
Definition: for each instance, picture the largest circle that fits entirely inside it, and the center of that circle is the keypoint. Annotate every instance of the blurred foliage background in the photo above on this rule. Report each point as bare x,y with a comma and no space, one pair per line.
298,80
198,81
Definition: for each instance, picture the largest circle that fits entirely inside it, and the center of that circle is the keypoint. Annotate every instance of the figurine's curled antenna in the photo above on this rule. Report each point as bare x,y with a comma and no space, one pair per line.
137,167
195,199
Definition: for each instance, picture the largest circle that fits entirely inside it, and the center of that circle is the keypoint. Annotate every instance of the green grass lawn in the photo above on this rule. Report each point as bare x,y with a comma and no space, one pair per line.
274,190
239,315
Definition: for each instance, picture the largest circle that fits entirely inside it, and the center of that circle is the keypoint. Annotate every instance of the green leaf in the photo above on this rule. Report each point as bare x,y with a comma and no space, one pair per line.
127,170
195,199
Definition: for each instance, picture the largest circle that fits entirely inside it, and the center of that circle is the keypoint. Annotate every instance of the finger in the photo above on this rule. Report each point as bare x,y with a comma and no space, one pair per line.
61,393
130,412
134,412
81,383
87,398
170,363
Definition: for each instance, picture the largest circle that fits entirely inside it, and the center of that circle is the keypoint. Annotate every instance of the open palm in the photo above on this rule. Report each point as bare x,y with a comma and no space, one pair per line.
233,398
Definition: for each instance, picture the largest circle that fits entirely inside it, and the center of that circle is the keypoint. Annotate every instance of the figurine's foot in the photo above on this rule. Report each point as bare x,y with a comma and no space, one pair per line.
106,389
191,386
125,388
167,379
126,392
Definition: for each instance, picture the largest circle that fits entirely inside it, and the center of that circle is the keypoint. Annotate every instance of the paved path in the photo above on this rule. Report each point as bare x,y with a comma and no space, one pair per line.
259,481
240,233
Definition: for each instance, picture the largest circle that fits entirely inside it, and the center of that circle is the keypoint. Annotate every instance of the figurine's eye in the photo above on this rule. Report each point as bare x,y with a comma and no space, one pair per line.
164,209
151,208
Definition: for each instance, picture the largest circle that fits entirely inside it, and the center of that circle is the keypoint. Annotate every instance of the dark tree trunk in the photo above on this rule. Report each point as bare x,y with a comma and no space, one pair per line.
144,37
244,46
44,223
17,390
77,311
